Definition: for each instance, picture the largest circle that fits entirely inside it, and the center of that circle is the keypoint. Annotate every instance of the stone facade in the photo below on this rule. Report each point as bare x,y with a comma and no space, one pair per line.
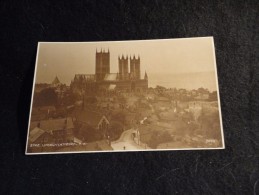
124,80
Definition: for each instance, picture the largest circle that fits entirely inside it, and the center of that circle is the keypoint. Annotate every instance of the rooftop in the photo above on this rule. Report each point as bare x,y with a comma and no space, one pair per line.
90,117
36,133
53,124
111,77
55,81
87,77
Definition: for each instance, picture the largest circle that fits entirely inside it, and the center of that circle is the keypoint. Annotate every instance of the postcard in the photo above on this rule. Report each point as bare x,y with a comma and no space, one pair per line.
146,95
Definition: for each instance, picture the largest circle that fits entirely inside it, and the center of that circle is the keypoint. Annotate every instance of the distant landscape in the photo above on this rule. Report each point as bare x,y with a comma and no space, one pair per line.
184,80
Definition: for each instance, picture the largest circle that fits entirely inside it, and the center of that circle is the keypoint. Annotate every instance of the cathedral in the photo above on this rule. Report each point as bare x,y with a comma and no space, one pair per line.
127,79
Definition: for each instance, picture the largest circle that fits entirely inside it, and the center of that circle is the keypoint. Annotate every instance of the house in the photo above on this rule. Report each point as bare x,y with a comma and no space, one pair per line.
42,112
182,91
37,115
95,120
130,118
47,109
108,105
51,131
165,125
40,86
163,99
202,96
153,118
169,115
162,105
150,96
36,135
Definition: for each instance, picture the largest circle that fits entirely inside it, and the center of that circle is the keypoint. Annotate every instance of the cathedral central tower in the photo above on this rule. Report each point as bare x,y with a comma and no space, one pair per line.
102,64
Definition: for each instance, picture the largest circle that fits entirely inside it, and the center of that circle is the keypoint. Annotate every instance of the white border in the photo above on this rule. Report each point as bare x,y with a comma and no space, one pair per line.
32,95
217,84
148,150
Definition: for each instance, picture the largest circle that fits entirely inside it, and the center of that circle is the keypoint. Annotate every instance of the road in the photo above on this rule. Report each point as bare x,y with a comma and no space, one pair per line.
196,111
126,141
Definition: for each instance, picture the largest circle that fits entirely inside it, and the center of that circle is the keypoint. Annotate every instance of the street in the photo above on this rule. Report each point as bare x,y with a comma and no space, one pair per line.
125,142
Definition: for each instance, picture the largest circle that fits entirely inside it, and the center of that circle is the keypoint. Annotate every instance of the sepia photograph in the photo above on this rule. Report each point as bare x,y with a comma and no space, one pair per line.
146,95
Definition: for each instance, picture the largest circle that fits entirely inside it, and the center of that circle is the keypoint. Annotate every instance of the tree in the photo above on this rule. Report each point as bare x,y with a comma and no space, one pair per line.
88,134
193,127
213,96
158,138
69,99
47,97
202,90
115,130
90,100
160,89
210,124
119,117
122,100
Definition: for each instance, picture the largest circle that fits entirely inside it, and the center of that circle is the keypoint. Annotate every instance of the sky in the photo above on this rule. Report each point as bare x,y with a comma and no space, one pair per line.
157,57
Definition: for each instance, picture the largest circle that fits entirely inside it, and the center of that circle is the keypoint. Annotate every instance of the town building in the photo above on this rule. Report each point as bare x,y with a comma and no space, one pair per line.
52,131
55,82
60,88
42,112
92,120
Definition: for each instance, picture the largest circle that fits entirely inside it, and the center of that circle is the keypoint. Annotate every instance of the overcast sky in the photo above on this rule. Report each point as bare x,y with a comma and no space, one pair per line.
156,57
